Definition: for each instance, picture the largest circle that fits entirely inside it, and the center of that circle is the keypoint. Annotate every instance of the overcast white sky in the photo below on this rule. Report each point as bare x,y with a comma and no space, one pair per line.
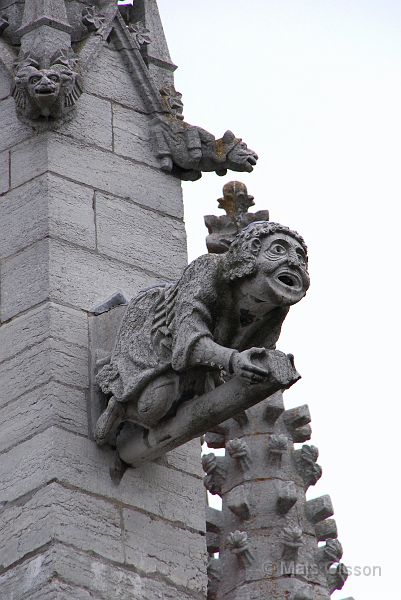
314,87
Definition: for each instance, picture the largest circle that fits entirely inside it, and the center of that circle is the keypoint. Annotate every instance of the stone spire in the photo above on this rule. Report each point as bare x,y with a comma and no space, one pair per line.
267,534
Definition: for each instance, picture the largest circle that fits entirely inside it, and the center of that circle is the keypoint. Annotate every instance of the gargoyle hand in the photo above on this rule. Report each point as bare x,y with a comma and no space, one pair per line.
243,366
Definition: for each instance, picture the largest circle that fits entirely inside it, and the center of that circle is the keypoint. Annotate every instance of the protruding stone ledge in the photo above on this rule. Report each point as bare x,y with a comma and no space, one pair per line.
196,416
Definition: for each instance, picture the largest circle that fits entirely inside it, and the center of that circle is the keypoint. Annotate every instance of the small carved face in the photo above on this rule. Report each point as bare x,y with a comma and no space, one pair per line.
44,84
281,277
173,101
47,92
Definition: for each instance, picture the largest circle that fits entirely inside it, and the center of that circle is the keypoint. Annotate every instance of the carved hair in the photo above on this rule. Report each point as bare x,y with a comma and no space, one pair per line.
240,259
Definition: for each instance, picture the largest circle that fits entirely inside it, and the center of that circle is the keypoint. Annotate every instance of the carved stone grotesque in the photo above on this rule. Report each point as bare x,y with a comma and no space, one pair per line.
219,322
222,230
46,93
189,150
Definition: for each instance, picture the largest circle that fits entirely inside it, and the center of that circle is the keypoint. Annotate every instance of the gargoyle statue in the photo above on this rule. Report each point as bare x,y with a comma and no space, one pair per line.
189,150
46,93
218,324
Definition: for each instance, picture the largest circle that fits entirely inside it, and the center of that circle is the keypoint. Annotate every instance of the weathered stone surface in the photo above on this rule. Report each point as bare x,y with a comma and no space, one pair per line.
47,320
238,502
49,404
58,590
97,168
27,206
132,135
105,580
38,364
287,495
5,85
156,547
117,86
127,231
326,529
24,279
92,122
77,461
57,513
84,279
293,588
15,131
186,458
319,508
214,519
54,270
4,171
70,212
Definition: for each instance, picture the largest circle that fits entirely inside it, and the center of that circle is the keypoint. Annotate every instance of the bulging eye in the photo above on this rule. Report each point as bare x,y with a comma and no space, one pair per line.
54,78
35,79
278,249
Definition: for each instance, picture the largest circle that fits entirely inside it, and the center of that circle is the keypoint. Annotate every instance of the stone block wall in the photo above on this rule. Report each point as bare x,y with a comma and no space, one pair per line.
85,211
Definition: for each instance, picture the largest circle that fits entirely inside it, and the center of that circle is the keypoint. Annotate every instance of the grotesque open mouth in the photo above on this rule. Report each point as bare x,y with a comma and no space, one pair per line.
45,92
290,280
287,280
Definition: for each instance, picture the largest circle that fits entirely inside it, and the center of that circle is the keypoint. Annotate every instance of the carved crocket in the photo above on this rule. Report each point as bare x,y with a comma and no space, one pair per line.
180,340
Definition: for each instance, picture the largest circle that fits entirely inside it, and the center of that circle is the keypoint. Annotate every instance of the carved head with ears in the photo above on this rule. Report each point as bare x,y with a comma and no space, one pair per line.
45,92
237,155
272,262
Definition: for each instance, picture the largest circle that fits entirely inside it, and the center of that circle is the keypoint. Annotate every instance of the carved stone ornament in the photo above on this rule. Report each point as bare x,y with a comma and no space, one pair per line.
186,360
239,451
307,467
277,446
337,577
329,554
46,92
140,33
215,472
189,150
38,54
222,230
92,19
238,542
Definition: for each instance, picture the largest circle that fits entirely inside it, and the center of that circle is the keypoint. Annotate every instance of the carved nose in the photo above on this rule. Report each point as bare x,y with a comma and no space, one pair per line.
293,258
46,82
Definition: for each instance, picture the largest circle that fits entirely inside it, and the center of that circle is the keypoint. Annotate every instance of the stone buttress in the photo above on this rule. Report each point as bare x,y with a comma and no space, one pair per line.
85,210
